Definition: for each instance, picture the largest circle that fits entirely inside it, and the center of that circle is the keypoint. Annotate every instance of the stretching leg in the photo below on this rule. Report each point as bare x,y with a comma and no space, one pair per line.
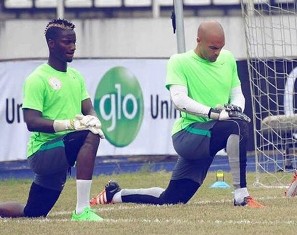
178,191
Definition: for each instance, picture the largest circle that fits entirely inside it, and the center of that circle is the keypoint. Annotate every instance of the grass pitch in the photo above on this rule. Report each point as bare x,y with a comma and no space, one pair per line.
210,211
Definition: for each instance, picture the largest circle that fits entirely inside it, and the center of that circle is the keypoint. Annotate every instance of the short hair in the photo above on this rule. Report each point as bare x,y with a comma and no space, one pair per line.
54,26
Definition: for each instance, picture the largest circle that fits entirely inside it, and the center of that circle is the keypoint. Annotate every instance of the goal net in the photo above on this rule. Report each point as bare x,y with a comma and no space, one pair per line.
271,38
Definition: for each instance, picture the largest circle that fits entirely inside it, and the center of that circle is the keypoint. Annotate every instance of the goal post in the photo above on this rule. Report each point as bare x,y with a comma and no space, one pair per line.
271,41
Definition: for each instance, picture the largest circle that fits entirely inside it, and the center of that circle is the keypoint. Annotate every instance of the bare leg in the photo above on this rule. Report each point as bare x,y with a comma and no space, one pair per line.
84,171
86,157
11,210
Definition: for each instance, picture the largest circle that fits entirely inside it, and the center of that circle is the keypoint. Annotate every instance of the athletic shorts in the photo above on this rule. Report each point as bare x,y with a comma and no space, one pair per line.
192,143
53,160
192,146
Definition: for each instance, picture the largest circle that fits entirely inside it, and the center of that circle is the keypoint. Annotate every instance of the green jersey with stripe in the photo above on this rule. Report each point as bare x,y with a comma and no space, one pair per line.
209,83
57,95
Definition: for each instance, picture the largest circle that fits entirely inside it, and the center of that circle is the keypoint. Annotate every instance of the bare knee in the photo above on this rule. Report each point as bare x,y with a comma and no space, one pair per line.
92,141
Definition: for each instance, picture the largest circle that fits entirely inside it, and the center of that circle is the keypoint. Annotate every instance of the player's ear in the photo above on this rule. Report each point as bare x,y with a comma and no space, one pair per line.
50,43
198,40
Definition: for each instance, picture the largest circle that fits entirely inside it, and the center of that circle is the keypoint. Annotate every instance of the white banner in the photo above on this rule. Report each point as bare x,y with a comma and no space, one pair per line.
129,96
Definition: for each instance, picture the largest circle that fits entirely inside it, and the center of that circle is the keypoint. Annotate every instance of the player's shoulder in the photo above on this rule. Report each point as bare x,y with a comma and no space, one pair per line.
181,56
72,69
40,68
227,54
38,72
74,72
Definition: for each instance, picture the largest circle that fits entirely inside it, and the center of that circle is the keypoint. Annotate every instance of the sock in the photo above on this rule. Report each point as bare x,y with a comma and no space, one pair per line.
117,197
240,194
233,157
83,189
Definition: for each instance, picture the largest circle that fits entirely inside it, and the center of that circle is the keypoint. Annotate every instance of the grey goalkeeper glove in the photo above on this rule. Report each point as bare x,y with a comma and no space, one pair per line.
232,107
236,112
228,112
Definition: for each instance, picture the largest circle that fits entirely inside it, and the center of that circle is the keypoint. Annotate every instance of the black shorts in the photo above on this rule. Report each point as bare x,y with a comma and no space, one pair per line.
53,160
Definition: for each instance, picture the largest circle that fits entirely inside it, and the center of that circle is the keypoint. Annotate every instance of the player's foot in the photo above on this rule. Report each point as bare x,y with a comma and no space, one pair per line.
105,197
292,189
249,202
87,215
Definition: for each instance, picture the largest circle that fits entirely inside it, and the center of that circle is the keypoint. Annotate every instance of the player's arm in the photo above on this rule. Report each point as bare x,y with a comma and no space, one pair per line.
237,98
182,102
90,118
36,123
87,107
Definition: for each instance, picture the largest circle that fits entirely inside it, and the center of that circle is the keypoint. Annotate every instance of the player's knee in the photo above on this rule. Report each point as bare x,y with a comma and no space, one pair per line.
92,140
239,127
33,212
244,129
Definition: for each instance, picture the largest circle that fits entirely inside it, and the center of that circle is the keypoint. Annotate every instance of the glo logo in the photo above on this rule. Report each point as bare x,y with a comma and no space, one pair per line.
119,106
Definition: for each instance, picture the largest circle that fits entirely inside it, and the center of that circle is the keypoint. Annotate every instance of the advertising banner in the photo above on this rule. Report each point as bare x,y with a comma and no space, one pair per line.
129,96
131,100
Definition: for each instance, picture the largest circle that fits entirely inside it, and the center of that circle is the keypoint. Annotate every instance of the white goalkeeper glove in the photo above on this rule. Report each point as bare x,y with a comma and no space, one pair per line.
71,124
79,123
92,123
88,120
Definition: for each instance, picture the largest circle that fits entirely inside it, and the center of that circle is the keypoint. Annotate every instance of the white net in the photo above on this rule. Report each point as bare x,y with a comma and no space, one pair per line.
271,35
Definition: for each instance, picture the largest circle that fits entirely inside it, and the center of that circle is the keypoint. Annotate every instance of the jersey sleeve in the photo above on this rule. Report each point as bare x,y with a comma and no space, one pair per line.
33,94
175,74
235,78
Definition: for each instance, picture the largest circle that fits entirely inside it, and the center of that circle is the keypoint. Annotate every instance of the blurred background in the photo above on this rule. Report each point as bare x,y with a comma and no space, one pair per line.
115,28
138,36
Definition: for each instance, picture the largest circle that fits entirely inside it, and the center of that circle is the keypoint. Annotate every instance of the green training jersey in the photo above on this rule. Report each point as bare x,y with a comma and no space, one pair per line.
57,95
208,83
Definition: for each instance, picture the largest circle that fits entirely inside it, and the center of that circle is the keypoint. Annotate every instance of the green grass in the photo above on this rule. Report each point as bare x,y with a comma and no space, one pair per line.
210,211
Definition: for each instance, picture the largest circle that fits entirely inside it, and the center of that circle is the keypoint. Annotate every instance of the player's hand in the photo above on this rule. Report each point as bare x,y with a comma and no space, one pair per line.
97,131
239,115
89,122
235,112
225,114
78,123
232,107
218,114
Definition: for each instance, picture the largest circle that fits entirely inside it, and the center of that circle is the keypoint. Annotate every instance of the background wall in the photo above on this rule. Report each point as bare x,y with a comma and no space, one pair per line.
118,37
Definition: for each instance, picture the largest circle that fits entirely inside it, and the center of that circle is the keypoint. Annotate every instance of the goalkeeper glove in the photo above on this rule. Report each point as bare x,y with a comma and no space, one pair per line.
92,123
88,120
218,114
232,107
228,112
71,124
79,123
